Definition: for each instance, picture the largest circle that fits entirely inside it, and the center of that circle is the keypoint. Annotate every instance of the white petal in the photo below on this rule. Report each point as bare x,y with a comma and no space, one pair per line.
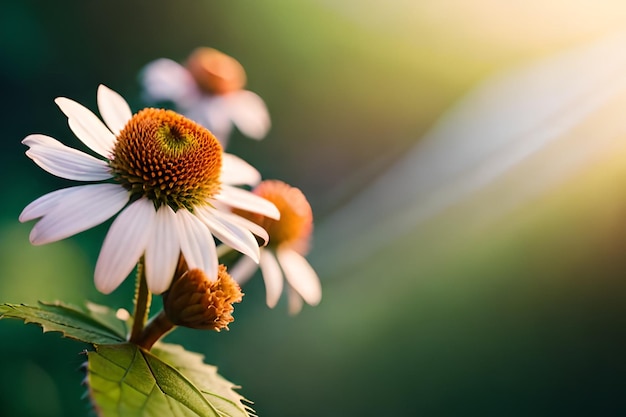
47,202
197,244
300,275
243,270
232,234
245,200
272,276
87,127
63,161
124,244
211,112
162,250
236,171
73,210
294,300
164,79
114,110
245,223
249,113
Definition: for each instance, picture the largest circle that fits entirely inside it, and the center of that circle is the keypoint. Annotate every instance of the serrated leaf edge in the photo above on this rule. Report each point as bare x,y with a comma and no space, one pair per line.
243,402
108,331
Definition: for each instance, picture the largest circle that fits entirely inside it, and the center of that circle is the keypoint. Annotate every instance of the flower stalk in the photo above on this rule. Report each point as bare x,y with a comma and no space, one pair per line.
143,299
157,327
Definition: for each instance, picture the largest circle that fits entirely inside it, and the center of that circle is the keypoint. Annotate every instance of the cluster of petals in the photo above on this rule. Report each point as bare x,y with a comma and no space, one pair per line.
167,80
159,235
277,266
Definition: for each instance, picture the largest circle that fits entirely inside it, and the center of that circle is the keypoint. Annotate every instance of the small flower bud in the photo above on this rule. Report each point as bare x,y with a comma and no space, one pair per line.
215,72
195,301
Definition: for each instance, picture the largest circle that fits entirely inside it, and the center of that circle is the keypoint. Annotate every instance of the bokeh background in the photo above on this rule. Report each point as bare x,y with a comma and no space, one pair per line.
473,310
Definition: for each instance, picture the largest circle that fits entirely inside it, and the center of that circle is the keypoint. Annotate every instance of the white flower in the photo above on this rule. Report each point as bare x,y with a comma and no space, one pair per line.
288,243
209,90
167,176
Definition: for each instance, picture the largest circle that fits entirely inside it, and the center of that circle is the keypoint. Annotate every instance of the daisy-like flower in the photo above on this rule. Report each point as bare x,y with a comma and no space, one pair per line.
166,176
209,90
289,239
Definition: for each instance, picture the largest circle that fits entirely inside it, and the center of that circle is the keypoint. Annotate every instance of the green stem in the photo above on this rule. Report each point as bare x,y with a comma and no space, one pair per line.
157,327
143,298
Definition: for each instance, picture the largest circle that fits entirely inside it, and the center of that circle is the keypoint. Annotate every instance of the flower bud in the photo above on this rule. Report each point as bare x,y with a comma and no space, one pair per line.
195,301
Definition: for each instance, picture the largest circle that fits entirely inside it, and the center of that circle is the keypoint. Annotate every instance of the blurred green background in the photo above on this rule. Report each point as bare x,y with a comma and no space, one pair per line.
523,315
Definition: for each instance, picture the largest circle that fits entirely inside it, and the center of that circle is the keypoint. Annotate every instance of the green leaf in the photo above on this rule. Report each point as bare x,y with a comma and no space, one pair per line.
109,318
85,325
125,380
214,387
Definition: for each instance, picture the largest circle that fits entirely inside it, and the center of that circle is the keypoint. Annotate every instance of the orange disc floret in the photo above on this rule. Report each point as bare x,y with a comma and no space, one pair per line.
296,217
167,158
215,72
195,301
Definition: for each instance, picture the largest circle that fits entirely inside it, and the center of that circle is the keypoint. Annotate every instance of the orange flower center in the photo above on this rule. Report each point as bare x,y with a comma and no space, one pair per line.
296,217
216,72
168,159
